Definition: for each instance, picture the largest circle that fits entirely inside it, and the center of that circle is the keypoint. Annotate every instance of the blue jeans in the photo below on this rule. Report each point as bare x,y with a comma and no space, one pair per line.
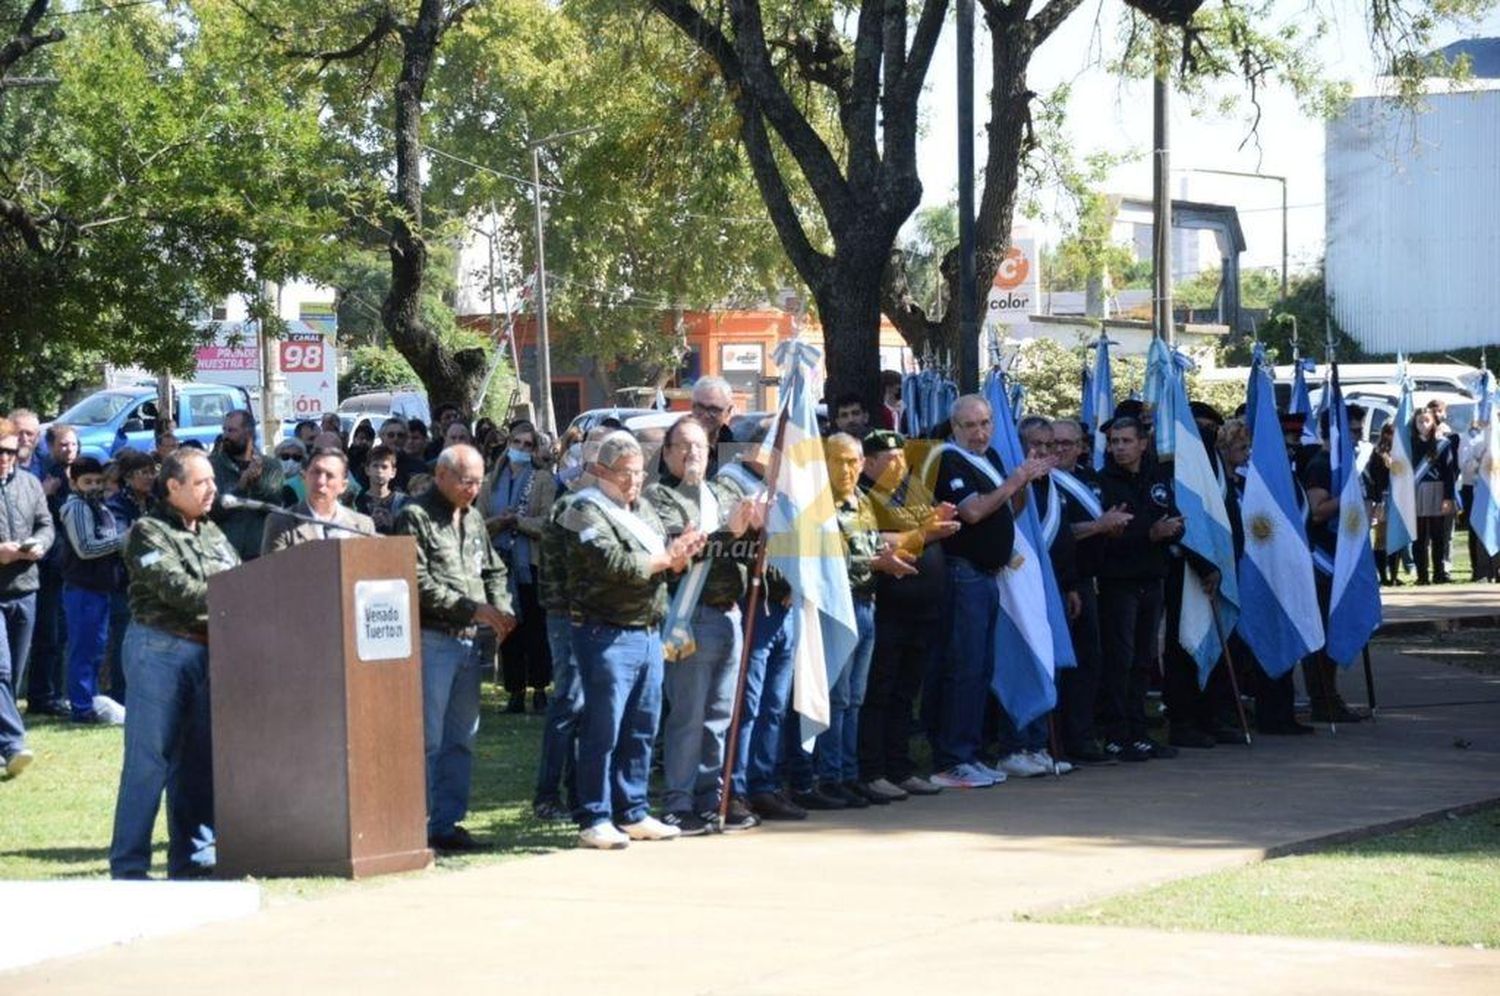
450,721
622,675
119,622
768,697
559,761
1032,736
87,613
700,691
837,758
964,685
17,614
168,746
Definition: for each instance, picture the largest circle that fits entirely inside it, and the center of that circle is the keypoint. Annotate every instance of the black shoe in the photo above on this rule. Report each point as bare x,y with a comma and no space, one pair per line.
538,701
768,806
1227,735
1340,713
1191,738
1089,753
873,798
817,798
551,811
61,710
456,841
517,703
690,824
740,817
852,799
1154,750
1126,752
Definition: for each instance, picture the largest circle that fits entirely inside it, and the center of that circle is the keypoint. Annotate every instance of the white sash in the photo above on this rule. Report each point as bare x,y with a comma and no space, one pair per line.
625,519
708,509
1052,519
1079,492
747,481
979,463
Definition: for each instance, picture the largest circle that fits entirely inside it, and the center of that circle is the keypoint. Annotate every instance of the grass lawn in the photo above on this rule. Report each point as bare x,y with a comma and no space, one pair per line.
1438,883
57,816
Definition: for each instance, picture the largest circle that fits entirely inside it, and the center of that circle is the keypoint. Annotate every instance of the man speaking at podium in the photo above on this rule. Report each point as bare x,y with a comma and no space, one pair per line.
327,477
464,607
170,553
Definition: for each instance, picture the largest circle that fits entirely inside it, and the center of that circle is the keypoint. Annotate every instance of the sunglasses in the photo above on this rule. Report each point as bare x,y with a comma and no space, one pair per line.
9,451
715,410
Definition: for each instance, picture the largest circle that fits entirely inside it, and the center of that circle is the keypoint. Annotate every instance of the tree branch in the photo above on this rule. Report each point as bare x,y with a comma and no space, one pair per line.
385,24
1050,17
24,42
25,225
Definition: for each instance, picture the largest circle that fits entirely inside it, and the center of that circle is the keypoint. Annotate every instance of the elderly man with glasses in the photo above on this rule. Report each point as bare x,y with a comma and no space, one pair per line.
713,407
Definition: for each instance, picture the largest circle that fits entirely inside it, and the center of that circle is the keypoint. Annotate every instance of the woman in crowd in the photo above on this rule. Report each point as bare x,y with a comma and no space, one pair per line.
1436,466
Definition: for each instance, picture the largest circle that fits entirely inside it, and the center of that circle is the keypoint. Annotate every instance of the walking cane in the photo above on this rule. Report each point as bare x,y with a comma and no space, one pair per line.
752,603
1369,681
1234,681
1056,745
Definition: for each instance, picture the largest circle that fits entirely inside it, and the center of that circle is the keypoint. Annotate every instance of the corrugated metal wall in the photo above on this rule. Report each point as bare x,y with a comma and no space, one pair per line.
1413,223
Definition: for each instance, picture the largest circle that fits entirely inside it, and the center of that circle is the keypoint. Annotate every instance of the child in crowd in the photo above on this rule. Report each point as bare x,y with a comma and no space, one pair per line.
90,570
382,499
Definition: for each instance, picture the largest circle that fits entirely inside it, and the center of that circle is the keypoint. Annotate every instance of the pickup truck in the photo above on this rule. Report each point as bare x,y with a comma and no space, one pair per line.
117,417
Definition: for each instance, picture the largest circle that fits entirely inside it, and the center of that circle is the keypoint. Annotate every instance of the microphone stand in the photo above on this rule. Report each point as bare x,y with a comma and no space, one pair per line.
231,502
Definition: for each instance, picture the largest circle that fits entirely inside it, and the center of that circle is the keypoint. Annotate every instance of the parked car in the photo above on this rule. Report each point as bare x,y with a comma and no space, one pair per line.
117,417
380,405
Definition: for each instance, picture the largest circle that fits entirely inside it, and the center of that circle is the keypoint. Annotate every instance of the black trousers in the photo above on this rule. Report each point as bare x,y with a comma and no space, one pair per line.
1189,706
1078,687
1484,567
45,681
1433,534
1275,698
525,658
1320,676
1129,620
904,647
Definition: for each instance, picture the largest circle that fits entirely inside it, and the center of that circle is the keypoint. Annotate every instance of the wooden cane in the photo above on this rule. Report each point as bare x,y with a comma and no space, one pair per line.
1369,681
1234,681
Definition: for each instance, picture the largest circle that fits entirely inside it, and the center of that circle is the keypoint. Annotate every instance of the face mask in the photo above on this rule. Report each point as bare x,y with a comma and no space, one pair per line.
291,467
518,456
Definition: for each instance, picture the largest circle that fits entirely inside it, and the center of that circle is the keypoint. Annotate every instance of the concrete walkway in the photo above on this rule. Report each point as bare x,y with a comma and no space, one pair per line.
921,896
1438,607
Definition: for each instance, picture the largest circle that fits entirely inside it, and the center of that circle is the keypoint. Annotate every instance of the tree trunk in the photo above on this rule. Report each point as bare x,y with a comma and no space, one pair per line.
849,310
448,375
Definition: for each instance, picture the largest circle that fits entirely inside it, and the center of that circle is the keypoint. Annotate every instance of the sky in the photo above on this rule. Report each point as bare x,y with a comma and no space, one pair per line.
1106,113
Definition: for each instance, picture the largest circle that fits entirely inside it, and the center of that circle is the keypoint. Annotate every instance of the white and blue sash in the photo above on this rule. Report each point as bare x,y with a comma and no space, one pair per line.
1079,492
677,637
627,520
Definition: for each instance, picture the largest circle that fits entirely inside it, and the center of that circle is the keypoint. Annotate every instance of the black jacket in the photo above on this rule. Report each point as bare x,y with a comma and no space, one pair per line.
1147,496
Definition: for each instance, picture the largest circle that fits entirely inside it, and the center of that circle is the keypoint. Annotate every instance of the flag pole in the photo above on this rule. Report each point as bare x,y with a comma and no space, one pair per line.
752,603
1369,681
1234,681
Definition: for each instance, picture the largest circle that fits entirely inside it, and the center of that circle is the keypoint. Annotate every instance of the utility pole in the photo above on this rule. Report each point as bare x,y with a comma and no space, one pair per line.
1161,256
968,325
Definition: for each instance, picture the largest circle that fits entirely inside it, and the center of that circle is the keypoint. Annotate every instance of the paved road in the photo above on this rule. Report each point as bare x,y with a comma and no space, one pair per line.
1438,606
915,897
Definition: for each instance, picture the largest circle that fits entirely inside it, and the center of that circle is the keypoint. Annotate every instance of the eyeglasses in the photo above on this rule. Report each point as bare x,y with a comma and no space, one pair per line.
717,411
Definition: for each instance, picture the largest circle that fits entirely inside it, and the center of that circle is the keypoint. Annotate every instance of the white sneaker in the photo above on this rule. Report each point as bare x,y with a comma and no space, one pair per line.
109,711
604,836
1052,764
18,762
1023,765
993,774
650,828
962,776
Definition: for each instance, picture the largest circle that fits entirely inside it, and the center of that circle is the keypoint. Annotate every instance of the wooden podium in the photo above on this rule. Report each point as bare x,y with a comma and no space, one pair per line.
316,692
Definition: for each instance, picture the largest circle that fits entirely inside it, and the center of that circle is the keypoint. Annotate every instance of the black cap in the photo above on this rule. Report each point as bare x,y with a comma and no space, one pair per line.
1205,411
883,441
1292,421
1130,408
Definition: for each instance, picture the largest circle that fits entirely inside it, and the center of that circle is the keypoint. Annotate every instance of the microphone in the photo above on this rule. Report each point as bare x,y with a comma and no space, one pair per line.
235,502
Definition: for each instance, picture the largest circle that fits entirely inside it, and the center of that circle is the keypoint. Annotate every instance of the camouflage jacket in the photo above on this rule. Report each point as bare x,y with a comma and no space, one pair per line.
609,581
862,540
457,568
169,565
552,556
776,590
729,556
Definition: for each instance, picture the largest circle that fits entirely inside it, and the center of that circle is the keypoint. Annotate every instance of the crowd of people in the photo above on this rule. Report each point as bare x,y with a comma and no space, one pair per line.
612,585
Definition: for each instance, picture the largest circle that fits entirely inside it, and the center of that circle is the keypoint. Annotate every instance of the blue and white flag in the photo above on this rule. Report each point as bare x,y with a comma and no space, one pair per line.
1031,637
1301,404
1354,609
1099,400
1401,498
1279,616
1484,517
805,545
1206,528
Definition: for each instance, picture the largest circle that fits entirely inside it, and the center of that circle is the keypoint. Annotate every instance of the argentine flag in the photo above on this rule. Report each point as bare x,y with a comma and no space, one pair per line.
1301,403
804,543
1484,517
1099,400
1354,611
1031,637
1401,498
1279,617
1206,528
